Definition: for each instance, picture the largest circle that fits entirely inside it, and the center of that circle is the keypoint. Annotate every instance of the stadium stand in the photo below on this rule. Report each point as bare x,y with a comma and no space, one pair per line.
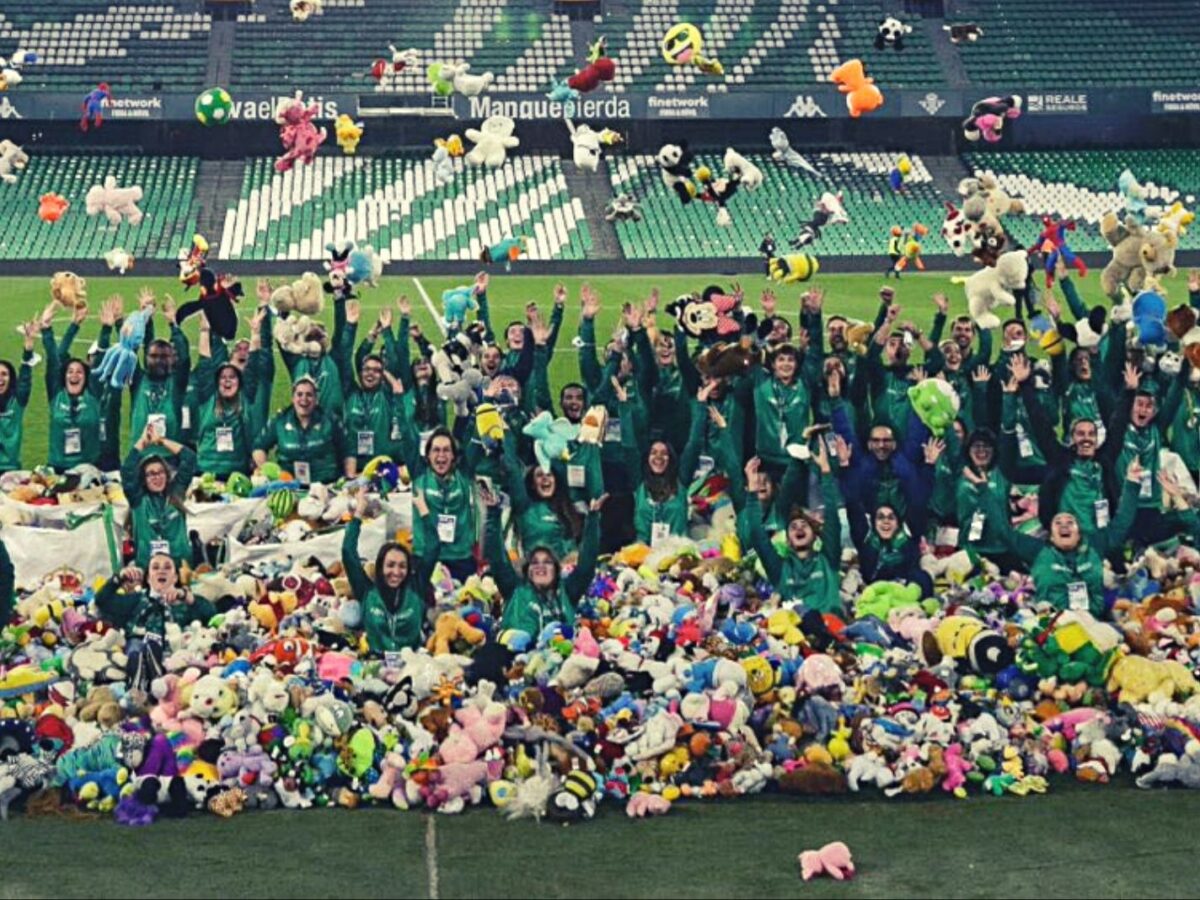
1082,185
168,203
1077,50
669,229
517,40
396,205
143,47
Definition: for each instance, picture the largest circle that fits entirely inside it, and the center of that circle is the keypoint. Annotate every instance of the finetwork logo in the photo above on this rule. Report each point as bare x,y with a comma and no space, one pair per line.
805,107
931,103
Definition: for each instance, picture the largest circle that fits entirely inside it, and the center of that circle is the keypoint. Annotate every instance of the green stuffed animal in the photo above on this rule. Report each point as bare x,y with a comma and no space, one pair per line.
936,404
881,597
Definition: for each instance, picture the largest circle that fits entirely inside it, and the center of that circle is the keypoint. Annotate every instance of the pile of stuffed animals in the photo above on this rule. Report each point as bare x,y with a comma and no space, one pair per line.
683,679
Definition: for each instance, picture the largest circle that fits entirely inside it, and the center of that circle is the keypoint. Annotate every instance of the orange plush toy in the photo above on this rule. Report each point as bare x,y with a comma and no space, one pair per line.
861,94
52,206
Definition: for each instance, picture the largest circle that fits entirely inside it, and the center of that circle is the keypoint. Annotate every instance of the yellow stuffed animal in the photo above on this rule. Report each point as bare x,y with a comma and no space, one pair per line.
1136,679
451,627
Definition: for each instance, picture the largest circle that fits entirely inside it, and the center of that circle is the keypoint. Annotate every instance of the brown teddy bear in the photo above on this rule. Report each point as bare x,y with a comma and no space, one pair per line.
68,290
1137,254
303,295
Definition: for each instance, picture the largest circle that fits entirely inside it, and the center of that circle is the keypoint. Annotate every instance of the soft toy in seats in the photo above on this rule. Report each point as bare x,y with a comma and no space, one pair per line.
399,61
348,133
300,137
1137,253
988,116
443,166
963,31
68,290
862,96
675,161
622,208
303,296
993,287
1175,220
10,68
12,160
492,141
303,9
116,203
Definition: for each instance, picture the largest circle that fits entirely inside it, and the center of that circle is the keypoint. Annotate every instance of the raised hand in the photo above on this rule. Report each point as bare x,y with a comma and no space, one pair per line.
560,294
394,383
619,390
981,375
768,301
481,283
589,301
934,447
169,308
942,302
263,290
1133,378
353,311
403,306
145,297
385,319
598,504
79,314
843,449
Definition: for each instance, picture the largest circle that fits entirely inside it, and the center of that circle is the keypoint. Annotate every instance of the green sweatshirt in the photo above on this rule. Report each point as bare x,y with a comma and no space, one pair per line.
528,609
976,529
162,399
139,613
7,580
397,622
370,420
321,445
656,519
159,526
12,418
781,413
812,579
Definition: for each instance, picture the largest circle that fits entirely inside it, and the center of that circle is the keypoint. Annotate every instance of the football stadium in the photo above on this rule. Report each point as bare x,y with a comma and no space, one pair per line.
447,449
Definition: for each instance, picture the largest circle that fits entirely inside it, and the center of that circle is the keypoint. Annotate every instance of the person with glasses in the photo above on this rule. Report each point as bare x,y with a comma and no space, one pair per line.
226,397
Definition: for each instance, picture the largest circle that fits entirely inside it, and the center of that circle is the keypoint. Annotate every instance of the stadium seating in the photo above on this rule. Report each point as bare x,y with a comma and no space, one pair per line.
1082,184
1082,43
782,205
763,44
396,205
168,203
517,40
142,47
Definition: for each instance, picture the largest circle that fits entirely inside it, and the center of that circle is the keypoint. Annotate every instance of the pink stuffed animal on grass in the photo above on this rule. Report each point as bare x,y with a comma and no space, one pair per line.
956,771
299,135
833,860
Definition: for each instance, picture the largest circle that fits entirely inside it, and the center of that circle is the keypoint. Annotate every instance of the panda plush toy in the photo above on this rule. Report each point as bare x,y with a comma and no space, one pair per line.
891,33
675,160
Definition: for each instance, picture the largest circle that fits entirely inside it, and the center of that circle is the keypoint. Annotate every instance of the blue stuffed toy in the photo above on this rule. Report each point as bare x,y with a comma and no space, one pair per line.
457,302
120,361
1150,318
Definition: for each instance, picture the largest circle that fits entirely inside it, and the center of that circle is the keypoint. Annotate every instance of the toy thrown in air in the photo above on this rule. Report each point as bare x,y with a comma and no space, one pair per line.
217,294
988,117
963,31
1052,244
900,172
398,62
792,267
120,362
302,10
10,69
12,160
94,104
862,96
456,303
683,45
784,153
348,133
447,78
116,203
600,68
119,260
492,141
551,438
586,144
828,210
739,172
508,250
623,208
300,137
51,207
891,33
214,107
349,266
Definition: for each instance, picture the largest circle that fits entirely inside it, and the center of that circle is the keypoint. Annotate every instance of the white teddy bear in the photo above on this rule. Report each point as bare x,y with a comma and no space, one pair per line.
115,202
992,287
12,160
587,146
465,84
492,141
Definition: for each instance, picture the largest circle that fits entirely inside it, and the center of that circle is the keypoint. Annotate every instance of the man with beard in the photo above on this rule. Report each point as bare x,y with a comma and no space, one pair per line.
962,333
158,388
888,373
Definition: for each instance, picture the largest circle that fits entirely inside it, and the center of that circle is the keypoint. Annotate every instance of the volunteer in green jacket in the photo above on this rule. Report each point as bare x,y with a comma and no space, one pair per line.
143,602
543,513
1144,440
325,368
783,403
76,413
309,442
156,498
444,520
394,604
14,399
1067,566
373,410
158,390
542,596
660,497
8,578
225,421
803,573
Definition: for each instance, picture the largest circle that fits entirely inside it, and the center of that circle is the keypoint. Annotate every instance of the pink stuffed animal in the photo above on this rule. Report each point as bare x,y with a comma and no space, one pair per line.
642,804
299,135
392,785
479,726
819,673
956,771
833,860
165,716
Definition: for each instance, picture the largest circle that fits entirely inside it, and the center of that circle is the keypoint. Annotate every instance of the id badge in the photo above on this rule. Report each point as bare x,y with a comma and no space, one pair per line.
1077,595
366,443
224,439
392,660
705,465
395,435
977,522
1024,445
425,435
1101,513
576,476
103,431
1101,434
158,423
303,473
185,417
157,547
659,532
72,441
446,527
1147,488
612,431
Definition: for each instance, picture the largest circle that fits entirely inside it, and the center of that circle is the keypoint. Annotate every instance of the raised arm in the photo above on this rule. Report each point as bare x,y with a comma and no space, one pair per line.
360,584
501,567
581,576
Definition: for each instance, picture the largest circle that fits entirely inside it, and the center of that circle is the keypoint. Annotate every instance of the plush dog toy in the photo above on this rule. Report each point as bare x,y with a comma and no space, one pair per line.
114,202
993,287
833,860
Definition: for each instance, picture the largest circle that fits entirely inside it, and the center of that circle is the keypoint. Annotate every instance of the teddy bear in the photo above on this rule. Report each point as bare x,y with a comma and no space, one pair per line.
100,658
253,771
996,201
12,160
989,288
492,140
478,726
210,697
68,290
449,628
303,296
1137,254
675,161
116,203
301,336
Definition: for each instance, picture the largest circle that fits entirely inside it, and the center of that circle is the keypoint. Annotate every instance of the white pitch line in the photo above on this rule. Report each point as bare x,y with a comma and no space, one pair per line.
429,305
431,862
